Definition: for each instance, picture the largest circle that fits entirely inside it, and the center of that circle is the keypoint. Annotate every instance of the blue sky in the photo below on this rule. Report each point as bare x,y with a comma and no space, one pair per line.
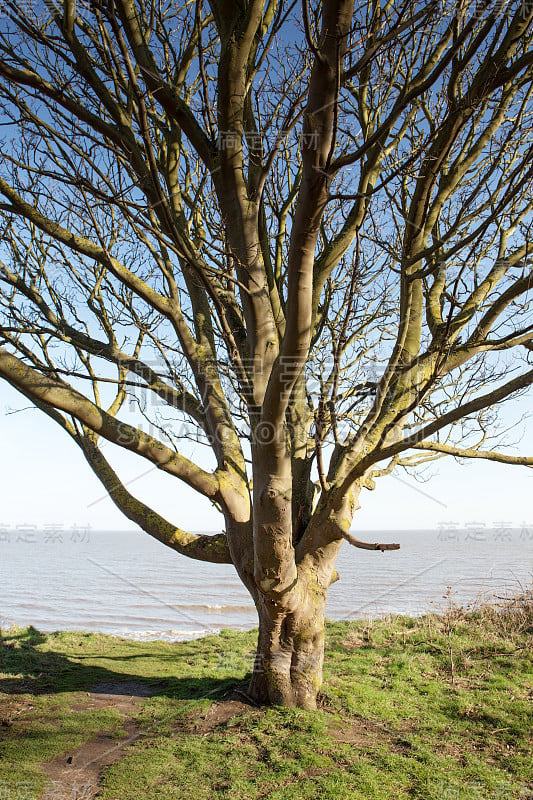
44,481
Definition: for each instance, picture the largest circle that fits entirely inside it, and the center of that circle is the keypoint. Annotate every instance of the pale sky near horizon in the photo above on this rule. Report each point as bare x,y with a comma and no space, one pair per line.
44,481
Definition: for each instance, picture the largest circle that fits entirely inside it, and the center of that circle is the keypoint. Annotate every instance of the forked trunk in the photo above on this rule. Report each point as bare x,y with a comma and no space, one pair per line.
287,670
290,653
290,583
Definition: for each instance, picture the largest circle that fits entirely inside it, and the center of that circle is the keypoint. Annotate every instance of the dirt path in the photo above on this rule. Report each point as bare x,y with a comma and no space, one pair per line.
77,775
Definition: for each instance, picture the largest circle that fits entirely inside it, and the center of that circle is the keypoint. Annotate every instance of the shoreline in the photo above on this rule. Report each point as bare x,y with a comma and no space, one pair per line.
504,604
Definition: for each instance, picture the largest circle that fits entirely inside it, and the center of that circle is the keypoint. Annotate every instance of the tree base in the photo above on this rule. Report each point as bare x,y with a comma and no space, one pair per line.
288,663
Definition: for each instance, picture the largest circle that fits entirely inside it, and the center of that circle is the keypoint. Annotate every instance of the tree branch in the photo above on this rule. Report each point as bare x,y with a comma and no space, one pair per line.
488,455
347,536
64,398
203,548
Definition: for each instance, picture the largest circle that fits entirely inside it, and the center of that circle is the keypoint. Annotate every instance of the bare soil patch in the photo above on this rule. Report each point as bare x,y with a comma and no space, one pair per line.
76,775
364,733
219,713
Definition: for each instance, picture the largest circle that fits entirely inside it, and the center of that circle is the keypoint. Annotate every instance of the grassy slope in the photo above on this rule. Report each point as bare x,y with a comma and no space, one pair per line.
439,707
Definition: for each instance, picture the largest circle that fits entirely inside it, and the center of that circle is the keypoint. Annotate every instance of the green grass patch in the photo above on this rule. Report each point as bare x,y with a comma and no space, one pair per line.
437,708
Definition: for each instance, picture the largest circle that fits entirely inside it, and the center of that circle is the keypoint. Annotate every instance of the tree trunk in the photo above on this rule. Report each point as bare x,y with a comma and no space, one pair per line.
290,653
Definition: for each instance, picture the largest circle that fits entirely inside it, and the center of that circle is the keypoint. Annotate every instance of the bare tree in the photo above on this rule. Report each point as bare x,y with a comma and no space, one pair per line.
296,233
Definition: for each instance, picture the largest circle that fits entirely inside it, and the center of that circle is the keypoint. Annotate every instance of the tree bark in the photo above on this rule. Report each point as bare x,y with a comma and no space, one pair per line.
290,653
290,648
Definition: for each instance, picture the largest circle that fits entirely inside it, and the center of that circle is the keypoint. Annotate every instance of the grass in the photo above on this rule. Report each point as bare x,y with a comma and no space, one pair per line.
438,708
